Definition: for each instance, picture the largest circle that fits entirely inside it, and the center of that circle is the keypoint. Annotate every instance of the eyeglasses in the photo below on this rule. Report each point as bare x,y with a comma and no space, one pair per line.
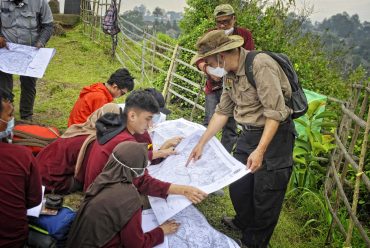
224,22
122,92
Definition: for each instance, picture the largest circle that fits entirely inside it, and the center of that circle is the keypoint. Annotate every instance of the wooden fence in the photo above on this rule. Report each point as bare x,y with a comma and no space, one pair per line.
348,161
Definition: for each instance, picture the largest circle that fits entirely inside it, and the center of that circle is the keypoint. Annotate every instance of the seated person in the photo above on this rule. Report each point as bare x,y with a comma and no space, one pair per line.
61,163
163,111
136,119
20,183
110,215
95,96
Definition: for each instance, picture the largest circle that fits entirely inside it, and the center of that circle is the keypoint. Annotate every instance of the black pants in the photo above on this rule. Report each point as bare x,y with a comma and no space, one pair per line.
28,92
229,132
257,198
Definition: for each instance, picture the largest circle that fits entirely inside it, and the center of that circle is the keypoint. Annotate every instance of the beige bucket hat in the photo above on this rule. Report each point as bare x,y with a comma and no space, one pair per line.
214,42
223,10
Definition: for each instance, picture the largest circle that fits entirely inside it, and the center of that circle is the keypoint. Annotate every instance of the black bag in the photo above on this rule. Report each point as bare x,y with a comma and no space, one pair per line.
298,102
110,25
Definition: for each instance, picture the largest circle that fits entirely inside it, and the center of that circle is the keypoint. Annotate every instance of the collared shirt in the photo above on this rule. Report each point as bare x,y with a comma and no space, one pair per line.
22,24
251,105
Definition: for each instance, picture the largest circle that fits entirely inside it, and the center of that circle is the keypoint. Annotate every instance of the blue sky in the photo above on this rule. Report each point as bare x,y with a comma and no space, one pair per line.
321,8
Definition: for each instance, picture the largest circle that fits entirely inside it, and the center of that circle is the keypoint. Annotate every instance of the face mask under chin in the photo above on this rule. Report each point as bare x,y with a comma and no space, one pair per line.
229,31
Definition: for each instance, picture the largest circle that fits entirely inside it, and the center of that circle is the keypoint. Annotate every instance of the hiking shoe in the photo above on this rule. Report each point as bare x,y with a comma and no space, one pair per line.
219,192
228,221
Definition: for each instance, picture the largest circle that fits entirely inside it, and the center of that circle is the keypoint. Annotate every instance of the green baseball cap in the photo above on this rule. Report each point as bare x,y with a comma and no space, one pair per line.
223,10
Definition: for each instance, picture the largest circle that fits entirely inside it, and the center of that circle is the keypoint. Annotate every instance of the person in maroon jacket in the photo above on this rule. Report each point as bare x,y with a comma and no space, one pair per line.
132,125
61,163
225,20
110,215
20,182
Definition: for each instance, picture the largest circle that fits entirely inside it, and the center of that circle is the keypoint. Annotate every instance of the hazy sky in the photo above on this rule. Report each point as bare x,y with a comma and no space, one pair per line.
322,8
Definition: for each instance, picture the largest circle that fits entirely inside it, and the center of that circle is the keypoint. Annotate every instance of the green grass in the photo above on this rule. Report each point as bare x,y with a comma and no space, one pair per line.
79,62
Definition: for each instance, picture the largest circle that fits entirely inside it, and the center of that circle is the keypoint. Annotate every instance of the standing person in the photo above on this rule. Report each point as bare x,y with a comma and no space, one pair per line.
225,20
29,23
20,183
110,215
96,95
266,143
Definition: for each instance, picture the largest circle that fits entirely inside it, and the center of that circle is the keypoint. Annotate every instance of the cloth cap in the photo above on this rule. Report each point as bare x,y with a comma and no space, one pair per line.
223,10
214,42
160,99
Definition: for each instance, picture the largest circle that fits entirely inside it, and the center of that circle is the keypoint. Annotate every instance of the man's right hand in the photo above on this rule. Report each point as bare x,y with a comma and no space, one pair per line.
169,227
195,154
3,43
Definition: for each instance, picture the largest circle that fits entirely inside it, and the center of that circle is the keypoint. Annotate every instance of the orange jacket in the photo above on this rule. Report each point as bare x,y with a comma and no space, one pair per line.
91,98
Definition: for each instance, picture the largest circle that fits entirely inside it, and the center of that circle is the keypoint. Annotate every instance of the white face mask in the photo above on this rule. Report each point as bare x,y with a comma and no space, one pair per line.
218,71
9,129
138,174
156,118
229,31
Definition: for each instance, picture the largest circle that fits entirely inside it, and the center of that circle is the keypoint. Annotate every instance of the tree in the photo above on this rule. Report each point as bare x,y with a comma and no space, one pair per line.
142,9
158,12
135,17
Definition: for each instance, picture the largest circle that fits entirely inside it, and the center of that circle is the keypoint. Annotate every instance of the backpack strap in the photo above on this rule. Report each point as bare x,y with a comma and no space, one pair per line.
249,66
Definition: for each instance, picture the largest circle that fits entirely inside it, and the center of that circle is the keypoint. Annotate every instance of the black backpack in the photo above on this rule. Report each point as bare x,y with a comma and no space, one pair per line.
298,102
110,24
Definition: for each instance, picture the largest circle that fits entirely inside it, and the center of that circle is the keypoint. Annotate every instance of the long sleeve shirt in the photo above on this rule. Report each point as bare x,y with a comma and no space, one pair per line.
20,189
100,153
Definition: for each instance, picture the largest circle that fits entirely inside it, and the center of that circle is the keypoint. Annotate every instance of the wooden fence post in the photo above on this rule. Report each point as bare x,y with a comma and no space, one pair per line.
171,69
154,47
143,57
198,96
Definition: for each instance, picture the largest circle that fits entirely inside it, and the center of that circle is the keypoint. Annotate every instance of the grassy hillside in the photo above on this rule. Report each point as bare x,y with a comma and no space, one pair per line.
79,62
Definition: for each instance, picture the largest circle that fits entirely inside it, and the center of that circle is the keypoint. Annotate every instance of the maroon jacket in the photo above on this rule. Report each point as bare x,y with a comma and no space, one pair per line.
248,45
20,189
100,153
57,162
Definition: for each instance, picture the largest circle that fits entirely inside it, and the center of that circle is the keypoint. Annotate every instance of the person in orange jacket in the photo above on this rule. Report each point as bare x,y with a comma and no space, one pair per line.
96,95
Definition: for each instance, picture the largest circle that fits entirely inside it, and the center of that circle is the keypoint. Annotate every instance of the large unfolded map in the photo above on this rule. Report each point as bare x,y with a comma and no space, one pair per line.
194,231
214,170
25,60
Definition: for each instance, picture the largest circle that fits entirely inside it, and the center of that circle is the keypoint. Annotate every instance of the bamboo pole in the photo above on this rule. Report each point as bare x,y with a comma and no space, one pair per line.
143,57
358,180
198,96
169,72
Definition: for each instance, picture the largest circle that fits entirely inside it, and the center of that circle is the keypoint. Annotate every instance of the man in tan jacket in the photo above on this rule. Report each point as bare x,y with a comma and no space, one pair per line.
266,143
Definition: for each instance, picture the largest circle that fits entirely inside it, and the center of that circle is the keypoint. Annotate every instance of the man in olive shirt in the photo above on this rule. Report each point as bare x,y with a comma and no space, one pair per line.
25,22
266,144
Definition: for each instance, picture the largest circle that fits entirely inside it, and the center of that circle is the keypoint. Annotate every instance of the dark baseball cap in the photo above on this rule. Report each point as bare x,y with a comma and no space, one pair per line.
160,99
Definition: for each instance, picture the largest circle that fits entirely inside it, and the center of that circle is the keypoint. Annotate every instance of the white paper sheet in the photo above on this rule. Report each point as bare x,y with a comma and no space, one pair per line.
213,171
169,129
35,211
194,231
25,60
